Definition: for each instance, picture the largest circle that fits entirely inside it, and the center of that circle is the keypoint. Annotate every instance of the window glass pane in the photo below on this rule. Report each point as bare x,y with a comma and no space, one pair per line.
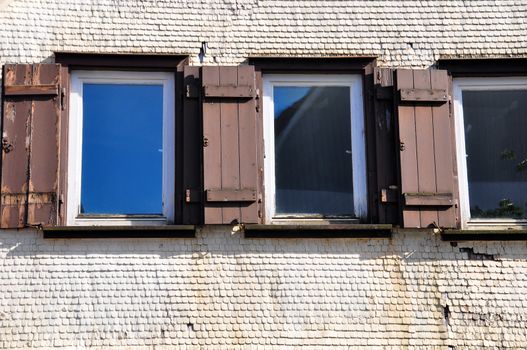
313,150
496,145
122,149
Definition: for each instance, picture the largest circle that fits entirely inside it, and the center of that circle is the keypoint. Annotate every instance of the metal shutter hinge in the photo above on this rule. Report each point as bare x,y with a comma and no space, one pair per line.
6,145
63,98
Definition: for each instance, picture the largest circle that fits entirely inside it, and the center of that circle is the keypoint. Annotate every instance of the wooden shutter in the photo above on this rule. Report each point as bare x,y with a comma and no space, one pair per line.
426,155
230,142
189,152
30,134
385,145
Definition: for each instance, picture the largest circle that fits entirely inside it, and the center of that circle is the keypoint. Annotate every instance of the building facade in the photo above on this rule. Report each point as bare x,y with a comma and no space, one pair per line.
344,174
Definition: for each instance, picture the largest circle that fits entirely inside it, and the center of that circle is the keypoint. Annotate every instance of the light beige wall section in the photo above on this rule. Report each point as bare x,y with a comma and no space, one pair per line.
223,291
401,33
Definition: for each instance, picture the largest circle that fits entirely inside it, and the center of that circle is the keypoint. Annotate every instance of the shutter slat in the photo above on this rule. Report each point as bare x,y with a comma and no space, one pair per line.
44,147
408,149
385,145
212,147
230,151
63,145
259,215
15,157
425,133
30,156
444,156
248,144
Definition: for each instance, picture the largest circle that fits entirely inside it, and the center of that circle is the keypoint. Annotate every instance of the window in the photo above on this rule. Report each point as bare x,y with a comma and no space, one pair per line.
315,162
491,124
121,148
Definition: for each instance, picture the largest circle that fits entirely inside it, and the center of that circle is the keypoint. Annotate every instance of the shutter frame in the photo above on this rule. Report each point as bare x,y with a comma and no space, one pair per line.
426,154
30,138
385,144
189,191
230,147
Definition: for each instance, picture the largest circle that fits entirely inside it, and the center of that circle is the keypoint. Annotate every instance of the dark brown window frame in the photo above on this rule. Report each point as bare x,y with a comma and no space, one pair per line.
363,66
121,61
483,67
125,62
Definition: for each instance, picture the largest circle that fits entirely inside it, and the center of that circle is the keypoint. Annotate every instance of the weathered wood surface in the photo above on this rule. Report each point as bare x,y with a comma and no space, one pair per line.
426,135
230,144
30,151
423,95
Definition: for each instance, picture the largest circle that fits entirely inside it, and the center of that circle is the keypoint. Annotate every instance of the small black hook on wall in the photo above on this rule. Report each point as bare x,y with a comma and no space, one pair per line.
202,51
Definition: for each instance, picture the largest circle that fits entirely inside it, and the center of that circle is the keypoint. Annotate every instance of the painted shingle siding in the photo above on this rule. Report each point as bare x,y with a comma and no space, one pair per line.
400,33
223,291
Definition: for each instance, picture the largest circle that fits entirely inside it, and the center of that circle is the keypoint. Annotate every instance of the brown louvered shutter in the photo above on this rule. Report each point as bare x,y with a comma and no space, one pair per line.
426,155
386,156
230,166
30,133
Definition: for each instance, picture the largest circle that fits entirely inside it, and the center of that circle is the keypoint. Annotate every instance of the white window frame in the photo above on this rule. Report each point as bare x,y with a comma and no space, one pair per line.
78,79
478,84
354,82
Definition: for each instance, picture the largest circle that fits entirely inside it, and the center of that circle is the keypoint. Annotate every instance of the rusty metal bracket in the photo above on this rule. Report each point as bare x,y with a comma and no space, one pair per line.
389,195
6,145
191,91
192,195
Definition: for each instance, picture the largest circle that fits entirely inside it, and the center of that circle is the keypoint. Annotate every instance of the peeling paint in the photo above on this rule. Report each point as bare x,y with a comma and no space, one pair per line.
10,111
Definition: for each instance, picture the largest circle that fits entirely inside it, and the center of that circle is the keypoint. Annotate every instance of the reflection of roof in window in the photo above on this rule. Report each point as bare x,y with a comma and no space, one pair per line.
313,142
287,96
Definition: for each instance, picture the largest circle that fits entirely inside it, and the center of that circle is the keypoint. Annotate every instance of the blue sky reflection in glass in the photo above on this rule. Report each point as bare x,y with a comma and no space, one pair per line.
122,149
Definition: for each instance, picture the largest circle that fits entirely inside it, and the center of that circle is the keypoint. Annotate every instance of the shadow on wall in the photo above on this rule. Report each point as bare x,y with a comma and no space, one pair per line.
407,245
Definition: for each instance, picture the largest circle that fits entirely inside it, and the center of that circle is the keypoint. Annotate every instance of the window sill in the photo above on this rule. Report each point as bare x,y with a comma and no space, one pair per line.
485,235
119,221
318,231
496,224
168,231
